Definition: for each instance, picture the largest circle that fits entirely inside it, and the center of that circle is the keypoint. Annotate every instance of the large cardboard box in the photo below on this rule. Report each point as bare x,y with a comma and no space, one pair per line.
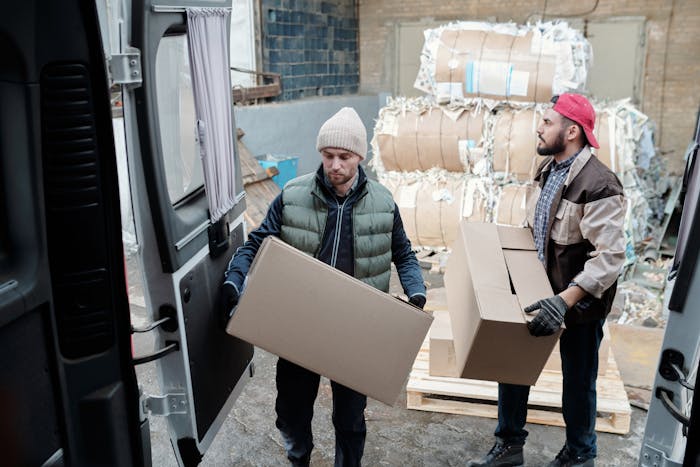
492,274
329,322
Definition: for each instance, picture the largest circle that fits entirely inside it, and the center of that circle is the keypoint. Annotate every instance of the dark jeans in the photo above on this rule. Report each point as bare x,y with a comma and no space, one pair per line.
296,393
578,346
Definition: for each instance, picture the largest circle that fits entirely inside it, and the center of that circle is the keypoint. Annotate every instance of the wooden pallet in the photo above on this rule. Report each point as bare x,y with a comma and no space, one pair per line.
479,398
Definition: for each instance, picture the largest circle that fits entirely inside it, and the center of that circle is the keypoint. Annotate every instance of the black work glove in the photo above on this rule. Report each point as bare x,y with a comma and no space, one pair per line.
229,300
549,319
418,301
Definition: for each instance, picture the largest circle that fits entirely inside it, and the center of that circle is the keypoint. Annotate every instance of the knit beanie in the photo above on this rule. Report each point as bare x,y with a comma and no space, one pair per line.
344,130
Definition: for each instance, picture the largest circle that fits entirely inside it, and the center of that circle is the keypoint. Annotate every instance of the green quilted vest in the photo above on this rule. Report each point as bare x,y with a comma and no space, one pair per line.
304,215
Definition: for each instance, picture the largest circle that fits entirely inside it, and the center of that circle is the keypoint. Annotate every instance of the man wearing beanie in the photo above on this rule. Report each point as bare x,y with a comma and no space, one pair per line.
352,223
577,217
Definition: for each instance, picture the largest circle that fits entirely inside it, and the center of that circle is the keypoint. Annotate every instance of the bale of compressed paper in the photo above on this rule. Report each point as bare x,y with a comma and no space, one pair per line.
503,61
415,134
433,203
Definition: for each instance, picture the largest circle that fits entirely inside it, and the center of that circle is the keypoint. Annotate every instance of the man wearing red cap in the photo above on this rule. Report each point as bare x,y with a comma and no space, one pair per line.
577,217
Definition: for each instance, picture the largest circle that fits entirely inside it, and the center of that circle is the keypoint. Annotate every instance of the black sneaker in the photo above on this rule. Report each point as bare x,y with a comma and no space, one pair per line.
566,459
501,455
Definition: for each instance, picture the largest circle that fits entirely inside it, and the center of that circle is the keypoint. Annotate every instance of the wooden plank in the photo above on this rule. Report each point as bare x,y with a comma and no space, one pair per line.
608,423
478,398
242,94
259,195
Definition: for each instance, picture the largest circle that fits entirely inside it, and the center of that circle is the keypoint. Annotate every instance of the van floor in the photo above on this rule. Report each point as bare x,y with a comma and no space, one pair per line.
396,436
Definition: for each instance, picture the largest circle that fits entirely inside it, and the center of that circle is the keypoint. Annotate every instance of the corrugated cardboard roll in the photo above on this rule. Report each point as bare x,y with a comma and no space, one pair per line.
489,64
515,143
431,139
607,153
511,208
431,208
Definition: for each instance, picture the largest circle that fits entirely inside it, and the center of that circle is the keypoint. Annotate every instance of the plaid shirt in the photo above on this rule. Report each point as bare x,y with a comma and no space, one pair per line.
555,180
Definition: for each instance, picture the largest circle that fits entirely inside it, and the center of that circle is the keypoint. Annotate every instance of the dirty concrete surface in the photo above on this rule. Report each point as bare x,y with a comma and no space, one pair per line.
396,436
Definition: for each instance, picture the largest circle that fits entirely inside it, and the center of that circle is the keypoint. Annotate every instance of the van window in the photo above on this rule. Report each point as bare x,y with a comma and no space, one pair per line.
177,120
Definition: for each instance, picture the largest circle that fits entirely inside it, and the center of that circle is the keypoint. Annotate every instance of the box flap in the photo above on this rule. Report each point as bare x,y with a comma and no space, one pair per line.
515,238
528,276
484,256
495,305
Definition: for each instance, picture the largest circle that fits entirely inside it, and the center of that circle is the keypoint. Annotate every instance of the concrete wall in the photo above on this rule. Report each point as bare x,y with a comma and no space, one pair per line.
671,76
290,128
312,44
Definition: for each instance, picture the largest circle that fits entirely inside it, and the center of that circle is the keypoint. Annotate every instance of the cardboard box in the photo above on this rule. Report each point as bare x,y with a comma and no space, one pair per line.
442,359
329,322
492,274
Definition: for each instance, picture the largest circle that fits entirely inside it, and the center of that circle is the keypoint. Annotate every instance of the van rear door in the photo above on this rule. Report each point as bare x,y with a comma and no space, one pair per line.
68,391
672,433
183,255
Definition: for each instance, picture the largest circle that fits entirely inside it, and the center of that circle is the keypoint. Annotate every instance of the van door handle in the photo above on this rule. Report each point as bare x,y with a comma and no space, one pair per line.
170,347
666,397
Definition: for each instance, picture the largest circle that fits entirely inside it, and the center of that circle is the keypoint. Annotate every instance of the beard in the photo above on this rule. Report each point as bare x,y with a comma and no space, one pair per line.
555,148
339,179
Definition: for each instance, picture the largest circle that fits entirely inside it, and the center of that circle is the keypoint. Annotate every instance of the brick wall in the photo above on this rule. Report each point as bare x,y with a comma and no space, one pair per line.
671,80
313,45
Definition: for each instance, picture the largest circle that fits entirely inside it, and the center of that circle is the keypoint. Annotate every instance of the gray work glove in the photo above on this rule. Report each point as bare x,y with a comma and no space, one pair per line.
549,319
229,300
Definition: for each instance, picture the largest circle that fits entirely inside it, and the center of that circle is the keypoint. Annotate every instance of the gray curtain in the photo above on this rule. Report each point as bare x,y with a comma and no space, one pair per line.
208,39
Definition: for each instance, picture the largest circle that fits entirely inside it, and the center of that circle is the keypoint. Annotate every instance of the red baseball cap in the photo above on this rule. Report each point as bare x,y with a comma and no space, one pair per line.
577,108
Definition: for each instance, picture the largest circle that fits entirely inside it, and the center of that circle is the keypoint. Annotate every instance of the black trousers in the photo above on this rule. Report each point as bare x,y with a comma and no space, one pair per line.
578,346
297,388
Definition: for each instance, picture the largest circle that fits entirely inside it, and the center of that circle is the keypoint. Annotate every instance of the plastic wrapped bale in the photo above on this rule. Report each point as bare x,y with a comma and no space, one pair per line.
618,129
503,61
415,135
511,206
515,143
433,203
514,139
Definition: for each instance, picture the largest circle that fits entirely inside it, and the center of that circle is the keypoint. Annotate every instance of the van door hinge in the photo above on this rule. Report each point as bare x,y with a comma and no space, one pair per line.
125,68
168,404
652,457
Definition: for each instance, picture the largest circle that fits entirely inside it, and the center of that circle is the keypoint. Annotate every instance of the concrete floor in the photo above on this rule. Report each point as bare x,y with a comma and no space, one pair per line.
396,436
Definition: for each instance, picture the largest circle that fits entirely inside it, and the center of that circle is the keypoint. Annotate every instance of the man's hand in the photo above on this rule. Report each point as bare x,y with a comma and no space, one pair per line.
418,301
229,300
549,319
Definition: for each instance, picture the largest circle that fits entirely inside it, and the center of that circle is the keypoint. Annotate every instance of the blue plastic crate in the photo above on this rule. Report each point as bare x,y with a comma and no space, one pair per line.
287,166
